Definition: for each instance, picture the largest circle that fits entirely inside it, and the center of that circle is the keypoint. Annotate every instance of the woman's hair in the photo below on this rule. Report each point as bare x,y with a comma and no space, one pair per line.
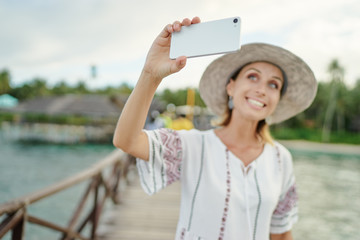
262,128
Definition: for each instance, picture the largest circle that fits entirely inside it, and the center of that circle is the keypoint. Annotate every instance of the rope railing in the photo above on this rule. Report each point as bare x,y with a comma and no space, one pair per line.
102,186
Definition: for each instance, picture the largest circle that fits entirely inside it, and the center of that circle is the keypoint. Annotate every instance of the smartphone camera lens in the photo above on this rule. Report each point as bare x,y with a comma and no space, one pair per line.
235,20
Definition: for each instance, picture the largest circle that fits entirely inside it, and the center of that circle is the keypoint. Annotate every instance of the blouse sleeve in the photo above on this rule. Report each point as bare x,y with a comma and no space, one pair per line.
286,212
165,160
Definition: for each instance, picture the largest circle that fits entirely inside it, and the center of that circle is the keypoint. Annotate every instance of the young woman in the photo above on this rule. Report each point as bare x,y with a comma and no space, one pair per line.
237,183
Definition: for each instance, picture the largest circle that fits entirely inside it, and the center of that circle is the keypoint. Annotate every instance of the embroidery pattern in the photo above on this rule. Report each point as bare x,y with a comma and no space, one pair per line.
288,202
289,219
278,157
182,235
172,154
163,184
227,198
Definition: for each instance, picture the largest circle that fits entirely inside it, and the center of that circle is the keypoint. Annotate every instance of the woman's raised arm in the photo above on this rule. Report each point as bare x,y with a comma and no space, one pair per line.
128,134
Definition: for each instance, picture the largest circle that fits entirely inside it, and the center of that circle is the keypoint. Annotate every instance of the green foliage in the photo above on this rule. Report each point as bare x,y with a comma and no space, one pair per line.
345,137
81,88
61,89
123,89
314,135
6,117
35,88
4,82
297,133
179,97
346,110
198,99
58,119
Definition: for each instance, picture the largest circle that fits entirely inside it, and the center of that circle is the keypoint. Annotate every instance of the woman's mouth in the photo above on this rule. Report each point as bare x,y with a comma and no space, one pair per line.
255,103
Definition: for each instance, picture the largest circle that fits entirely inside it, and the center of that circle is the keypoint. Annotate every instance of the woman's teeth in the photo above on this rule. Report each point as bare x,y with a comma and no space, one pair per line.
256,103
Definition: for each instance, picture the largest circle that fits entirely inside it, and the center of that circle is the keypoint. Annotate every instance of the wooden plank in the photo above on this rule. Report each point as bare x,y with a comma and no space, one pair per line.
143,217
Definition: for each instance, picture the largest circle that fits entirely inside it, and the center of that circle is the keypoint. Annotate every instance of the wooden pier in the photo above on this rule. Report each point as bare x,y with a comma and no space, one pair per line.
142,217
131,214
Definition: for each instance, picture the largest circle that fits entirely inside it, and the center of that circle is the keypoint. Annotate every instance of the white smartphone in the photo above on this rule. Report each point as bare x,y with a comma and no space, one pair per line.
207,38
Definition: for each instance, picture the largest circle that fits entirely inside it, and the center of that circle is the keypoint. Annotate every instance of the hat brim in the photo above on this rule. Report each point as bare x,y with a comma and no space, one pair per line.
301,86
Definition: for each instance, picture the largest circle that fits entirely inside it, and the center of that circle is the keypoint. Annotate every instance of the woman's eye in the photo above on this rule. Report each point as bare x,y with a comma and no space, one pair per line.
252,77
274,85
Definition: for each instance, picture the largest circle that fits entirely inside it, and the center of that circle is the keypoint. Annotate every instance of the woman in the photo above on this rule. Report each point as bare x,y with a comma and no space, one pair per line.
237,183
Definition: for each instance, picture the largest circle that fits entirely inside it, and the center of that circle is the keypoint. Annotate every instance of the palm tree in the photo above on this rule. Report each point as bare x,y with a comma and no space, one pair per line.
337,76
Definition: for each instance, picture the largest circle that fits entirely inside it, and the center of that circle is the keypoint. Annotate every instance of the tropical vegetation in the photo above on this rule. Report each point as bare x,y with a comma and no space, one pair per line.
334,115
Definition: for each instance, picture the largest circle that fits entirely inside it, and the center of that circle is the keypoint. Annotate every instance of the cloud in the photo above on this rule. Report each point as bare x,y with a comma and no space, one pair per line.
62,39
319,40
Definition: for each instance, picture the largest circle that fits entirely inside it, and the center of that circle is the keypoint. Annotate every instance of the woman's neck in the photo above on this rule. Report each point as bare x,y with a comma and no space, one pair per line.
242,140
241,132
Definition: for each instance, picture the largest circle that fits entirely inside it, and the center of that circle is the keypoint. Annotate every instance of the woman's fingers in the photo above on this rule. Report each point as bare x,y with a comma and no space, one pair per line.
176,26
195,20
186,22
168,29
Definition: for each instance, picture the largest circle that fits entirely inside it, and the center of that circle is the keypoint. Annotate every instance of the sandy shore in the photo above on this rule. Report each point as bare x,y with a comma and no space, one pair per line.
321,147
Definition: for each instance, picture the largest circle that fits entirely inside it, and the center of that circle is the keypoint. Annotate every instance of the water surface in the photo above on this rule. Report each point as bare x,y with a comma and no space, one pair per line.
328,185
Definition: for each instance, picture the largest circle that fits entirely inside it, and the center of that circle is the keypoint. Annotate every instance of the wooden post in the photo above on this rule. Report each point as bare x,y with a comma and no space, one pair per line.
18,230
95,215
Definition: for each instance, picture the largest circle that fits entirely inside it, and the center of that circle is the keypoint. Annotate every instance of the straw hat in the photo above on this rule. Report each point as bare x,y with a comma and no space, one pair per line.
301,83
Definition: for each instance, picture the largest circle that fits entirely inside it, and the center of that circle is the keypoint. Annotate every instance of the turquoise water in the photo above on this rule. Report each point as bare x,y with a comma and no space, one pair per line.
328,185
25,168
329,192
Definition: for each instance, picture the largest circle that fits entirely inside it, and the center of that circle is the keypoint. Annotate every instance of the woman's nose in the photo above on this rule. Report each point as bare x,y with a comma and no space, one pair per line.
261,89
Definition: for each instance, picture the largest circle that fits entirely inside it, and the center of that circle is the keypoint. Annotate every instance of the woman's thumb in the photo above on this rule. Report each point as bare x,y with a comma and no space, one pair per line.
180,63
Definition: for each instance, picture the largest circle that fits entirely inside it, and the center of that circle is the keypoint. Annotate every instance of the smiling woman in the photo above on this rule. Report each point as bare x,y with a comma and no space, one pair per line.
234,175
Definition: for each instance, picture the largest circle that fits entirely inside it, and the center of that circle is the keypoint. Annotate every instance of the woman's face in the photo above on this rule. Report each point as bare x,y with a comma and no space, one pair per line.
256,91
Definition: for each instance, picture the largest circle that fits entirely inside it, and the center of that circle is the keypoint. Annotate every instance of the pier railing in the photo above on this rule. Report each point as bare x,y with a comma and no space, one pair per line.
103,184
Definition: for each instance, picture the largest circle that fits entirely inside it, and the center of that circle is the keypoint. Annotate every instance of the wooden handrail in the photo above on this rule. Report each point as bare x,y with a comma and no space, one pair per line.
16,209
15,204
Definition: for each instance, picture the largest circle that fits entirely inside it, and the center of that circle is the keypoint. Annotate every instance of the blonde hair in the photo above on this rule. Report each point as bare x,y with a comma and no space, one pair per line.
262,129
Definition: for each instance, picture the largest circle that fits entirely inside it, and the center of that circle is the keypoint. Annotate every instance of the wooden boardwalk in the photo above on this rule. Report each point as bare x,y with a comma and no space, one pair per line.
142,217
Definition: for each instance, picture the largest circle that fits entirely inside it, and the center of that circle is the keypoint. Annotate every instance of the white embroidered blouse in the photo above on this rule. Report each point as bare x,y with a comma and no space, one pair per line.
220,198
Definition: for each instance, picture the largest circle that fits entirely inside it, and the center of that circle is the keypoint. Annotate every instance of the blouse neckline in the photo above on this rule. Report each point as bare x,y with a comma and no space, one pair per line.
252,164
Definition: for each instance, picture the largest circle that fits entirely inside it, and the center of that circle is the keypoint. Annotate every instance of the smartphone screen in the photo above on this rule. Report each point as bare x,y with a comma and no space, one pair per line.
207,38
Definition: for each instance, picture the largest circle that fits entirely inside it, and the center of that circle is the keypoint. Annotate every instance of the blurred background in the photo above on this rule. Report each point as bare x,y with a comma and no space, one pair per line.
67,68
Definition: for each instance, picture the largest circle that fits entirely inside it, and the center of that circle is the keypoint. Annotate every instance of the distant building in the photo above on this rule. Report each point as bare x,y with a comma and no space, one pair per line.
102,112
79,105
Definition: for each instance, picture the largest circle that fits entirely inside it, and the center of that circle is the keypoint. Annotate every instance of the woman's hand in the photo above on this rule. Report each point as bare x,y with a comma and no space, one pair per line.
128,134
158,64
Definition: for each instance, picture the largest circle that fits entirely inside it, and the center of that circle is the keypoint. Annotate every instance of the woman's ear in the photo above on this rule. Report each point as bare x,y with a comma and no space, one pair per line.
230,87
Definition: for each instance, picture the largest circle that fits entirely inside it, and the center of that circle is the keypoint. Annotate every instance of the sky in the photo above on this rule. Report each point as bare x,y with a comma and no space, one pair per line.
61,40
